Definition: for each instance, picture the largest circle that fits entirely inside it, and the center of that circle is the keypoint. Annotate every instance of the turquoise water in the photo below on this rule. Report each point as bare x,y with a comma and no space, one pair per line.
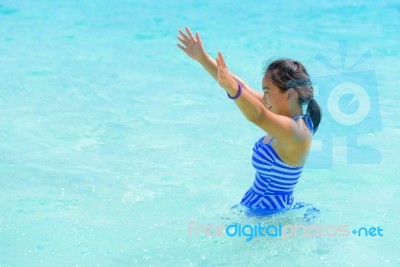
112,140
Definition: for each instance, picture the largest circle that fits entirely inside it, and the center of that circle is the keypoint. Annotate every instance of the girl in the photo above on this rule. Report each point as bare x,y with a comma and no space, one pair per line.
279,157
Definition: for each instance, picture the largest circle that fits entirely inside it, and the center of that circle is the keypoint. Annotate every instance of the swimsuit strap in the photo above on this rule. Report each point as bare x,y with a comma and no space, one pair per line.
308,121
270,141
295,118
298,116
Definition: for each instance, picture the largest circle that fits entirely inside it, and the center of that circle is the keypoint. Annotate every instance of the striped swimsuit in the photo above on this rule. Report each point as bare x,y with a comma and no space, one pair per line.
272,189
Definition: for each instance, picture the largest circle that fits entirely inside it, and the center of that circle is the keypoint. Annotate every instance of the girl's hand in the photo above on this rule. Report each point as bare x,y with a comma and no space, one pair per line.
224,77
193,47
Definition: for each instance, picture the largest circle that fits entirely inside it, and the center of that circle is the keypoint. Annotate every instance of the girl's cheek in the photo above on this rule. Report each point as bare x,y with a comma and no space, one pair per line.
266,102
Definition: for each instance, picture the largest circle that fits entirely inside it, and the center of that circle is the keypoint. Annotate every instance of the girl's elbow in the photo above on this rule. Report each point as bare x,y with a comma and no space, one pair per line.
254,118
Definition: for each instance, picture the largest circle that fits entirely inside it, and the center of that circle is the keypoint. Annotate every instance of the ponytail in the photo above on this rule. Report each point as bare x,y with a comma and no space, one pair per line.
314,111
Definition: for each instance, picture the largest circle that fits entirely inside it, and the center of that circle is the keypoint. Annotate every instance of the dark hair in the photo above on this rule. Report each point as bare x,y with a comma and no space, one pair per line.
287,73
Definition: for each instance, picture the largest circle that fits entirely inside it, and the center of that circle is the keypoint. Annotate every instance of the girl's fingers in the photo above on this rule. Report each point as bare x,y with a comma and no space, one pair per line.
218,62
221,58
198,38
181,47
183,35
182,40
190,34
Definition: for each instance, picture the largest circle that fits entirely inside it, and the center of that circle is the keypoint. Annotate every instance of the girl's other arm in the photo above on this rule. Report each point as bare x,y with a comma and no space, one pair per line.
211,66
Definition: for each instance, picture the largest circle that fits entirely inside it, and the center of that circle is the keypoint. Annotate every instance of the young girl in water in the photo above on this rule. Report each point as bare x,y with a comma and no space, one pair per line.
278,157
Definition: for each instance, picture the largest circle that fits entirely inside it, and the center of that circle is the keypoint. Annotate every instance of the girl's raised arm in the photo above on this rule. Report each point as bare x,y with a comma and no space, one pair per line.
193,47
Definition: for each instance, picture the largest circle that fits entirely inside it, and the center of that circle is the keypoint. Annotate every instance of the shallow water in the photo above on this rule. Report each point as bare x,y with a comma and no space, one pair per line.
112,141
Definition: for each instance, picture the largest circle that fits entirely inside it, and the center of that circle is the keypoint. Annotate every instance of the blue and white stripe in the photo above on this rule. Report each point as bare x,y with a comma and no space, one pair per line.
275,180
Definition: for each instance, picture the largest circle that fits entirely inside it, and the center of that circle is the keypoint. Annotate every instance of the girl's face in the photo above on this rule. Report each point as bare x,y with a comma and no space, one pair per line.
273,98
